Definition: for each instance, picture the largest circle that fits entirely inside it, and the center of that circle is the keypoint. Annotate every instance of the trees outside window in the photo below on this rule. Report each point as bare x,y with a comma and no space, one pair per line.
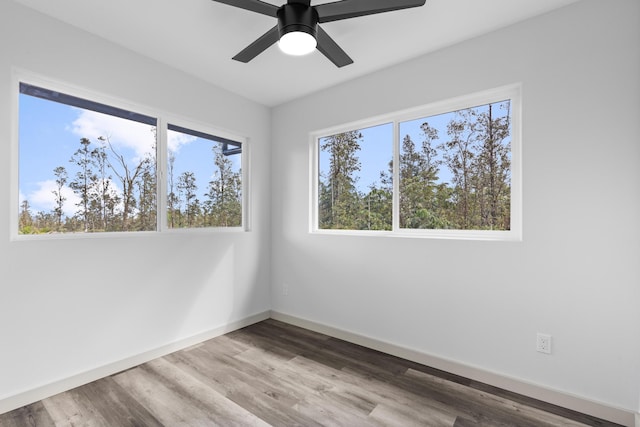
453,171
204,180
87,167
84,167
355,185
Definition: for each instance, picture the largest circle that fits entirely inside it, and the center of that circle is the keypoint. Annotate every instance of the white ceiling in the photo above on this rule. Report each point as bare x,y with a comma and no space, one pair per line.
199,37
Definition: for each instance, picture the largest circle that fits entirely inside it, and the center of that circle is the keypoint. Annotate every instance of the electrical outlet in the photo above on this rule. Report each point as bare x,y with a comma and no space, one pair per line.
543,343
285,290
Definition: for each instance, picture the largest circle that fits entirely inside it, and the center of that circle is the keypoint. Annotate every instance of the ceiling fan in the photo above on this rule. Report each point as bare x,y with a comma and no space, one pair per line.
298,31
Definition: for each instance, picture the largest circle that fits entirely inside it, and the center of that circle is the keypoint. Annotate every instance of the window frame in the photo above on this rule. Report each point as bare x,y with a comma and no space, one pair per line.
512,92
163,119
181,122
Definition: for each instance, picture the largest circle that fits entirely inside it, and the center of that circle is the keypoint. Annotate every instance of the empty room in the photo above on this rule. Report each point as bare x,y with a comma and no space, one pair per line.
427,216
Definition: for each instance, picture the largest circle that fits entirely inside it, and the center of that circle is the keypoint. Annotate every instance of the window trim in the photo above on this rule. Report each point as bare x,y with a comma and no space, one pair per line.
141,113
512,92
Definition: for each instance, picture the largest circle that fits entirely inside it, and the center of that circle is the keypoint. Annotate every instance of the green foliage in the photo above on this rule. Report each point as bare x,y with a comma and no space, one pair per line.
340,196
28,229
377,209
478,155
223,206
341,205
423,202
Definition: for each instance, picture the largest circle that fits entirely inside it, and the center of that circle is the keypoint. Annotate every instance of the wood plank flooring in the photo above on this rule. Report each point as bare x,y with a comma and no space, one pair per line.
275,374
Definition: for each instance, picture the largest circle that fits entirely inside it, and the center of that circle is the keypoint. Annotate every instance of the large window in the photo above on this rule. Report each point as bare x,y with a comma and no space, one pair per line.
87,167
445,170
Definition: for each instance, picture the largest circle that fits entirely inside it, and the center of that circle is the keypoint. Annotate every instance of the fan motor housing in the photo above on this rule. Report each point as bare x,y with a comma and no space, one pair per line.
297,17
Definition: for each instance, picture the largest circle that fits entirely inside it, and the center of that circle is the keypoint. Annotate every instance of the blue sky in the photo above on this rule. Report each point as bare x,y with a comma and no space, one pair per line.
50,132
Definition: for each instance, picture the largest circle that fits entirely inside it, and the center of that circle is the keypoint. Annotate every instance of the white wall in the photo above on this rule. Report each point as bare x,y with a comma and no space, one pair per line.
575,275
69,306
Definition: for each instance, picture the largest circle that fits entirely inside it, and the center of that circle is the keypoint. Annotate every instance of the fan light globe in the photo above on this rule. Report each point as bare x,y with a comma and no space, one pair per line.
297,43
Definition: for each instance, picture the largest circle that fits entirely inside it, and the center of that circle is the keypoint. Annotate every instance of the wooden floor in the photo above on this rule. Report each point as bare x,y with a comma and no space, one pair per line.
276,374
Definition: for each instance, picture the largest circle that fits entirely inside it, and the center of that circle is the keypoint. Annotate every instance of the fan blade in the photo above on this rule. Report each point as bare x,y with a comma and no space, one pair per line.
258,46
331,50
346,9
253,5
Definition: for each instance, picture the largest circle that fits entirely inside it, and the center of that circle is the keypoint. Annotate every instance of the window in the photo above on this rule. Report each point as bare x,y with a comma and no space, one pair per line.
355,189
86,167
445,170
204,180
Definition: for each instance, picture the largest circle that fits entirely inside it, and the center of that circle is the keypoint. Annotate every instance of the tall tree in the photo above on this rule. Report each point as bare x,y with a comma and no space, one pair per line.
147,198
104,198
493,165
224,196
61,180
83,179
410,191
128,176
187,189
460,151
343,197
173,212
478,156
429,163
421,199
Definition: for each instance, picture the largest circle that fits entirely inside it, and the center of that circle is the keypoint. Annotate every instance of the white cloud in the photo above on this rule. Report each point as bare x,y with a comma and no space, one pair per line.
43,199
175,140
121,132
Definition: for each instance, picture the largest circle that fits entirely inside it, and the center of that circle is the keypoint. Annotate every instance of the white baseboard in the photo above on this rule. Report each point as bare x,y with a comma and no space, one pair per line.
565,400
25,398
